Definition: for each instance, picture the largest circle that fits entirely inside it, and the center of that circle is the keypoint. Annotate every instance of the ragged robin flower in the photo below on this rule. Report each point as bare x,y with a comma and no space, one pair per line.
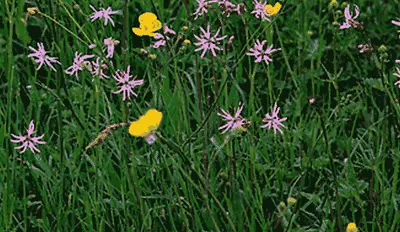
149,24
146,125
352,227
42,58
233,123
28,140
350,18
259,10
273,121
126,84
273,10
103,14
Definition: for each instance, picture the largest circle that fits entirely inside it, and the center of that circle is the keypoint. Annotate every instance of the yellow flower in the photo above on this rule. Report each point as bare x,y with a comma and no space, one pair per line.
351,227
152,56
186,41
291,201
148,25
310,33
333,4
146,124
32,10
273,10
185,28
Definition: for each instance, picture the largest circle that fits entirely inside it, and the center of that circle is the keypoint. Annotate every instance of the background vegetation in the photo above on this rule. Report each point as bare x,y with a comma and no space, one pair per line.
125,184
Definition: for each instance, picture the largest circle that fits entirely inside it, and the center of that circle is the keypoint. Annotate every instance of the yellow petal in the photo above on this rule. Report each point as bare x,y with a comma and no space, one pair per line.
156,25
273,10
146,123
138,31
351,227
147,17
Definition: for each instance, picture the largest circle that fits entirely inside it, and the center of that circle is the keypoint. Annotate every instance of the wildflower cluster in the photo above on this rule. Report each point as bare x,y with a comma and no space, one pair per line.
235,122
226,7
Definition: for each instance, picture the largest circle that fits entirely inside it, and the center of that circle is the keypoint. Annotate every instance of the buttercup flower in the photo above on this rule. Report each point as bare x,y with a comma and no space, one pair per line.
273,121
148,25
28,141
273,10
146,125
110,42
397,75
103,13
80,62
126,84
232,122
333,4
186,41
208,42
350,19
32,10
162,38
261,54
202,8
351,227
259,10
291,201
41,57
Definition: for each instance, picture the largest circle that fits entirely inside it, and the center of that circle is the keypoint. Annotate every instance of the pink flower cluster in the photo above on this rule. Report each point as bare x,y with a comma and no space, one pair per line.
237,121
260,53
126,84
208,42
28,141
162,38
397,74
259,10
42,58
350,18
103,14
226,6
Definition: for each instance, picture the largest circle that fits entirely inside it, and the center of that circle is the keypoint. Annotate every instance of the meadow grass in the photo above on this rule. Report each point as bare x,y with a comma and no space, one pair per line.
338,157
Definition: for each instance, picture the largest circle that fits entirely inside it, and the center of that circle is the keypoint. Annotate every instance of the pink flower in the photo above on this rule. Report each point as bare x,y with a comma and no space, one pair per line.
110,46
233,122
79,64
103,13
261,54
97,69
398,61
273,121
364,48
41,57
162,39
202,8
350,22
208,42
397,23
27,140
126,84
397,75
259,10
227,7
